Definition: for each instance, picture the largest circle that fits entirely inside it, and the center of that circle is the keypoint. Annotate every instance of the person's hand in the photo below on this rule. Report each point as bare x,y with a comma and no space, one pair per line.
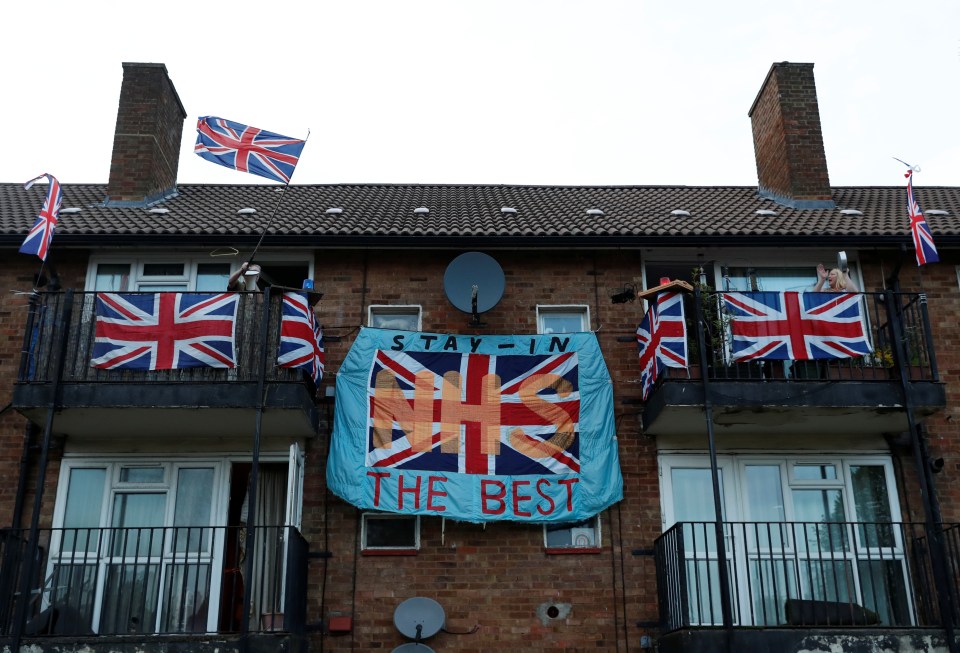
822,271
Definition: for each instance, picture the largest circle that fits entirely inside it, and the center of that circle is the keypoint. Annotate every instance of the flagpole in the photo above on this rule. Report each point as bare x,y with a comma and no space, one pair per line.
283,193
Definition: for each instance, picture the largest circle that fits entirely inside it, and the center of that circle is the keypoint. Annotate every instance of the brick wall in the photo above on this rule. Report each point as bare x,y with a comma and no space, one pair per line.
787,138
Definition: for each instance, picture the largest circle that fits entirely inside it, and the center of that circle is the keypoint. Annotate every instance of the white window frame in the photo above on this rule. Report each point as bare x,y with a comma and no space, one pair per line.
190,260
580,310
395,309
573,546
383,516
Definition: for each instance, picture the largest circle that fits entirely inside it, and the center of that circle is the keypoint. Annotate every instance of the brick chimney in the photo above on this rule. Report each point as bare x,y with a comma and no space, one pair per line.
146,143
787,139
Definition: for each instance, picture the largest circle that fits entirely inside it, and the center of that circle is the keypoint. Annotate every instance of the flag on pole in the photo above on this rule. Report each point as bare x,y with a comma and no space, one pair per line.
38,239
301,339
661,339
922,238
247,149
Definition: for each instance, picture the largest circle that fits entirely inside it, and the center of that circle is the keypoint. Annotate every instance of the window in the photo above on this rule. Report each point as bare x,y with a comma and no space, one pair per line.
563,319
822,528
572,537
388,533
201,273
149,547
401,318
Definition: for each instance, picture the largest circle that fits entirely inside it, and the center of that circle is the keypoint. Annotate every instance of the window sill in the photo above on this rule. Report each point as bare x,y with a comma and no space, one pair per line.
572,550
389,552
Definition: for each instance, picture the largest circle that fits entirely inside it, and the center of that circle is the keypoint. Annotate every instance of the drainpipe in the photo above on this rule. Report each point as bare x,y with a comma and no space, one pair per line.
725,609
930,506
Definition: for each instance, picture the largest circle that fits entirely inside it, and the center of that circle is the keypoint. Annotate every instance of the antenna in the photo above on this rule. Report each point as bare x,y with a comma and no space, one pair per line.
418,618
474,284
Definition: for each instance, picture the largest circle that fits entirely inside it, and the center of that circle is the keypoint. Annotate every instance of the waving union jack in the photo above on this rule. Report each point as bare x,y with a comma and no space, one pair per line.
922,238
38,240
662,339
474,413
796,325
301,339
247,149
164,331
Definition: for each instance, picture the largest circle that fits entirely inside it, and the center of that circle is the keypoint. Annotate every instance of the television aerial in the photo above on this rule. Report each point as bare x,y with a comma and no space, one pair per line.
418,618
474,283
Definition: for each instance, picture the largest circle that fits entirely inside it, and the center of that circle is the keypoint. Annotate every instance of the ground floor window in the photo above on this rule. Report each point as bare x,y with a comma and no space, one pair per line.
153,546
800,531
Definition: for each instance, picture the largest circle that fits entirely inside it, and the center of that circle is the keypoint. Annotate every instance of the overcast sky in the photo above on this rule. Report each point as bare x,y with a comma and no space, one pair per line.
513,92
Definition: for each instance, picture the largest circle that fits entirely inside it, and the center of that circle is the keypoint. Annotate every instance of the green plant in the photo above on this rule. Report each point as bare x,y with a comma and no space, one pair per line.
715,321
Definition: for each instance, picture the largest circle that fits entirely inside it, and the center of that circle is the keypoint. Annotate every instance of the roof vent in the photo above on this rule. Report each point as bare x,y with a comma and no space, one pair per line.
71,209
680,213
851,212
246,211
422,210
334,210
156,209
595,212
766,212
507,210
936,212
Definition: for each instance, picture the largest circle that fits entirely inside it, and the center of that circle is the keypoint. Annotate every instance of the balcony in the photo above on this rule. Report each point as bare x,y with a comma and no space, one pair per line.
845,396
156,581
790,581
55,370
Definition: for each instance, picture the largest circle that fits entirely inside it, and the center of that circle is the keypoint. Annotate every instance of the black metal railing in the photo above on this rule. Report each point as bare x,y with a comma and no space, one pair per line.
150,580
880,312
46,327
802,574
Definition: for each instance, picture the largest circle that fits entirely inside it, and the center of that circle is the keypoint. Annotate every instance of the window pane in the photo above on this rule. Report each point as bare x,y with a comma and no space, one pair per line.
581,534
163,269
808,472
693,502
82,512
562,322
138,514
162,287
406,321
141,475
194,493
391,532
821,510
212,277
186,598
114,277
764,493
872,505
130,599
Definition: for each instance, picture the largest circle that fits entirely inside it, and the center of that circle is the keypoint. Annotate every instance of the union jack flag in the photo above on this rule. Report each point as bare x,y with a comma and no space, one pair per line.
164,331
661,339
474,413
796,325
247,149
922,238
301,339
38,239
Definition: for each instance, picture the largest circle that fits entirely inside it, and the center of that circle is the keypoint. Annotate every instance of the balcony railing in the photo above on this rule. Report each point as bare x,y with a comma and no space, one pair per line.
153,580
802,574
70,318
888,319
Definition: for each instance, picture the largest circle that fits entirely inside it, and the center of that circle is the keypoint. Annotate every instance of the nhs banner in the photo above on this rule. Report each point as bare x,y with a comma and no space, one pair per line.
475,428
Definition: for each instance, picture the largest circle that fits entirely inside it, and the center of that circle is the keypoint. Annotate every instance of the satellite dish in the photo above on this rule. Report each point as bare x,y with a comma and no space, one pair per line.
418,618
474,283
412,647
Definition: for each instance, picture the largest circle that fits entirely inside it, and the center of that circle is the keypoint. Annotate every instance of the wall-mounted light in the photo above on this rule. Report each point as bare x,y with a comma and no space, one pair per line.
627,294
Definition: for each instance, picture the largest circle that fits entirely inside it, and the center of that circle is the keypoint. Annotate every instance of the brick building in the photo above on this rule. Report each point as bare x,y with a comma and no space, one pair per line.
127,493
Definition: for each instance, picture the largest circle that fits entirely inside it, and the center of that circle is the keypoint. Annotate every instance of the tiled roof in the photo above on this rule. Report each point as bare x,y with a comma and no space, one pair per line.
383,212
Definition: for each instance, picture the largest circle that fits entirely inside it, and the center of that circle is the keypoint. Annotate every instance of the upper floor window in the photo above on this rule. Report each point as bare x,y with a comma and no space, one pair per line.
151,273
563,319
402,318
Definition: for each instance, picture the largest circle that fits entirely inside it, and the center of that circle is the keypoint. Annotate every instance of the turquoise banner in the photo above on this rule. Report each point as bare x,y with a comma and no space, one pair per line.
475,428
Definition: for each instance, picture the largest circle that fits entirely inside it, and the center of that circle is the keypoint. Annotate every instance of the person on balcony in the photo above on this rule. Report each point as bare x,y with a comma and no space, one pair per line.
834,281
